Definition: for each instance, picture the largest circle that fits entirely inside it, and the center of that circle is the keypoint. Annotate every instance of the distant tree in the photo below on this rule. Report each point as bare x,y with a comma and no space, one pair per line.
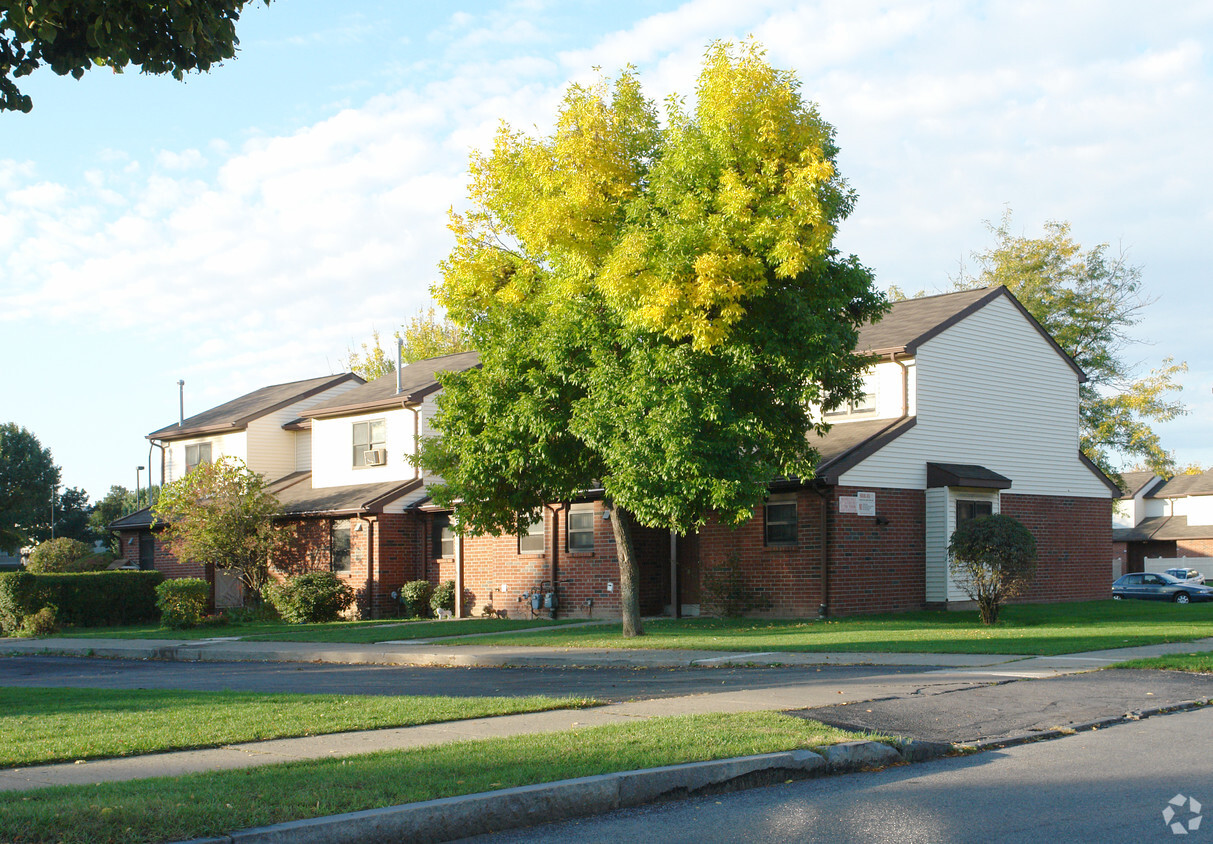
1193,468
72,514
222,513
1088,300
72,36
656,307
28,477
993,559
425,336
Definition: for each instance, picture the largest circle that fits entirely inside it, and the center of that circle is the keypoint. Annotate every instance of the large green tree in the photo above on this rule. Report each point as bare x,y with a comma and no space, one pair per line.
222,513
72,36
28,480
426,335
1089,300
656,307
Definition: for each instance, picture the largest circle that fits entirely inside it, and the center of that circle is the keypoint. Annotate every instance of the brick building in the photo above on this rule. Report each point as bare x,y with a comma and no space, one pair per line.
970,408
1167,519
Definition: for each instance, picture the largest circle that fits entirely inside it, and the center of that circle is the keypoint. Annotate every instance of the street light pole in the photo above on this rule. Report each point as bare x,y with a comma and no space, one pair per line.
138,469
54,487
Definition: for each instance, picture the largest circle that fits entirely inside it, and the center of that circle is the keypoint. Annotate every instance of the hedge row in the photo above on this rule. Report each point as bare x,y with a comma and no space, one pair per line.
90,599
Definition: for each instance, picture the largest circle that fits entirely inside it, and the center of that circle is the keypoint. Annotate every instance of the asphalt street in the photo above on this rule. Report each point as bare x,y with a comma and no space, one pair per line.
1110,786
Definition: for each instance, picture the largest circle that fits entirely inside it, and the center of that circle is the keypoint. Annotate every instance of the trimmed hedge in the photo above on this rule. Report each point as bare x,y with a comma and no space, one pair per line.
182,601
89,599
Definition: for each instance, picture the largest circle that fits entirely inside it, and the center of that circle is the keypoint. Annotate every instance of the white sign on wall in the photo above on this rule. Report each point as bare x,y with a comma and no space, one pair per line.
866,503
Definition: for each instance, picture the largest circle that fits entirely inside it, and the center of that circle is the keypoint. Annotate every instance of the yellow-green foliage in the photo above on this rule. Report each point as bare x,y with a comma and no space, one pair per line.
182,601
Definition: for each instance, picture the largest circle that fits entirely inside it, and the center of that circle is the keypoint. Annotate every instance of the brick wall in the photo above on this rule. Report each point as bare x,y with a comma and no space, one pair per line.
874,566
1073,545
1194,548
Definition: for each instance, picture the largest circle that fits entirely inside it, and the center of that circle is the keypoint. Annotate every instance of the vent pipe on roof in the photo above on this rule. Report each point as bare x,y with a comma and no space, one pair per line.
181,402
399,365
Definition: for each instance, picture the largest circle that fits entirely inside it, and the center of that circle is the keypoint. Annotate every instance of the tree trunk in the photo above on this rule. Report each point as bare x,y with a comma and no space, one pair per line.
629,573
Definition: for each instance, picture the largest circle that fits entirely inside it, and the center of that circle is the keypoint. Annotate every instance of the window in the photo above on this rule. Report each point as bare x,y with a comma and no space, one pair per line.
196,455
532,542
780,518
339,546
368,436
865,404
966,510
581,527
443,538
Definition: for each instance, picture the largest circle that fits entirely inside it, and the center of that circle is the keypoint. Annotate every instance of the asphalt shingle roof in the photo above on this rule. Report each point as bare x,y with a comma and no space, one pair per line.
417,380
238,412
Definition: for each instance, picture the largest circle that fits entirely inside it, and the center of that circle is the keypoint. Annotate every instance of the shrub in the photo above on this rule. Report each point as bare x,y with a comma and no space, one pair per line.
56,555
443,597
415,598
41,623
93,562
313,596
182,602
727,592
91,599
993,559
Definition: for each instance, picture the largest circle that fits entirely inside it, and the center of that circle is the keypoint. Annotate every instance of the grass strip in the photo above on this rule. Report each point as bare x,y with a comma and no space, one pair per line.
1199,662
41,726
352,632
1022,629
215,803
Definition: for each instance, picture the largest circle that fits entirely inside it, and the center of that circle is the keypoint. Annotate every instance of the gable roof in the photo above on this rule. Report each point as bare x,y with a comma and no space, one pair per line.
237,413
417,380
848,443
1182,485
297,497
1135,482
912,322
1162,528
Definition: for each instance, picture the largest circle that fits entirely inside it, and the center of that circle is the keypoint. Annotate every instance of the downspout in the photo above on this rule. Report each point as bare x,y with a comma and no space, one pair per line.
822,493
153,444
555,560
905,385
458,574
416,437
370,564
675,599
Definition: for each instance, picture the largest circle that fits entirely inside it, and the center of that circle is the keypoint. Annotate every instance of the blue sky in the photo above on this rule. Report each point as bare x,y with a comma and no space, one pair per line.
246,227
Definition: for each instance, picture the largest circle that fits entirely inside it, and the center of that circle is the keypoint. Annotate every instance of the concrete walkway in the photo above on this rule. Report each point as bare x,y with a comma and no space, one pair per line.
940,673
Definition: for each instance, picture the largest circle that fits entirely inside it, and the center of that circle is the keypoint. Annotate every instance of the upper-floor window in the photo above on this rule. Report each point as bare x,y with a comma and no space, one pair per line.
339,546
532,542
196,455
779,521
370,443
581,527
865,404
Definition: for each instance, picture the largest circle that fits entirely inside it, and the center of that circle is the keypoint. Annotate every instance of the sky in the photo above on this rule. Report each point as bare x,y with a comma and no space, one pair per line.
248,226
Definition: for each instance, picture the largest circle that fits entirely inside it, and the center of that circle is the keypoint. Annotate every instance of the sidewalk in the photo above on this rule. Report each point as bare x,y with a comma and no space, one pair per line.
415,652
941,673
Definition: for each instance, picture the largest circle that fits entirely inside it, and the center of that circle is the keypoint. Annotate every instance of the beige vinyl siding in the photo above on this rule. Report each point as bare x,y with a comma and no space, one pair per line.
990,391
222,445
937,543
274,452
303,450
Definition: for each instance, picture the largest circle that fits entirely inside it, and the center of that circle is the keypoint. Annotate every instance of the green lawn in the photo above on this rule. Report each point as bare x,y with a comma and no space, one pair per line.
39,726
1200,662
354,632
214,803
1022,629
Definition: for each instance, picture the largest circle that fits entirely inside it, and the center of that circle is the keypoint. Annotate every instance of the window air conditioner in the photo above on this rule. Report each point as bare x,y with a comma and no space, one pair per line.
375,456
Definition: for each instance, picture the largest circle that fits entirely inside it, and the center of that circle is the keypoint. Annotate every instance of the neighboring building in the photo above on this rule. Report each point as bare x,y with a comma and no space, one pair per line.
1157,518
971,408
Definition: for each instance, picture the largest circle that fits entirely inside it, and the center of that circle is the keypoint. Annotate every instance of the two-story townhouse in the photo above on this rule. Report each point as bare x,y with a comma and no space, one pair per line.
1163,518
971,409
259,428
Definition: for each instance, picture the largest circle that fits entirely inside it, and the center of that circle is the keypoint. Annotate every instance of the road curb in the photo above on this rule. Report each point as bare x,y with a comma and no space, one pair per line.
452,818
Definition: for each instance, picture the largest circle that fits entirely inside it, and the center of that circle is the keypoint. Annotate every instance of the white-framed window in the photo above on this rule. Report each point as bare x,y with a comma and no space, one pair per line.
581,527
370,436
864,405
339,545
779,520
196,455
443,538
532,542
967,508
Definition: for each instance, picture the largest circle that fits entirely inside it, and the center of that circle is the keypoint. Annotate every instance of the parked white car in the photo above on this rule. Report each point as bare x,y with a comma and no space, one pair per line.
1186,574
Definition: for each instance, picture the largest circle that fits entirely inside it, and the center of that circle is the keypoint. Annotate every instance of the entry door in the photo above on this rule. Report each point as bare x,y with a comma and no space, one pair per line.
689,573
147,551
